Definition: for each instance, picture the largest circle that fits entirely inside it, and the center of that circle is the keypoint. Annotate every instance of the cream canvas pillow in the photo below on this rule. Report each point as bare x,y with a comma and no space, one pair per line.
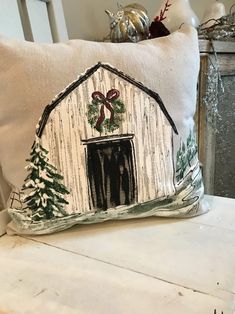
31,74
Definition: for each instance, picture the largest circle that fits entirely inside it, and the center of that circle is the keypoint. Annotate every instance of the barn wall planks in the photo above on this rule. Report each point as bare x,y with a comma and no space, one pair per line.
68,127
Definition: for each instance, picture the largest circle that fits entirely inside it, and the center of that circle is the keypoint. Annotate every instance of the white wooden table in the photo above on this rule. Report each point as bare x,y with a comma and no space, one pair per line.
143,266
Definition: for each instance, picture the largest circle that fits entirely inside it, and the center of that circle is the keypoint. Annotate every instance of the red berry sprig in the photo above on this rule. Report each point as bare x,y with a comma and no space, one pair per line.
161,17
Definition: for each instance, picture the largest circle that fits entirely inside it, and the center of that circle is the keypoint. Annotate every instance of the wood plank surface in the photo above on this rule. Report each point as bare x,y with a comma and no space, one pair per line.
145,266
197,253
220,46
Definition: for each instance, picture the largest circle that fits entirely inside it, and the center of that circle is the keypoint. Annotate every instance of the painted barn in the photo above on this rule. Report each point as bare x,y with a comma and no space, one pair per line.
112,140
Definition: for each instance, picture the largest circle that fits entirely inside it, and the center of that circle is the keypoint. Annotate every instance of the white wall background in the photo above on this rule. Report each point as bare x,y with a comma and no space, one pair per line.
86,19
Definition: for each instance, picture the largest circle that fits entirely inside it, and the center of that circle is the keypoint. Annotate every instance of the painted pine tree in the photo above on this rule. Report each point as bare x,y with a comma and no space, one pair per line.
45,196
185,155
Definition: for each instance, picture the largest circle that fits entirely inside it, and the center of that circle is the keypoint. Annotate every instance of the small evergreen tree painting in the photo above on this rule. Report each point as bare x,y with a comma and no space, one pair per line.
45,198
185,155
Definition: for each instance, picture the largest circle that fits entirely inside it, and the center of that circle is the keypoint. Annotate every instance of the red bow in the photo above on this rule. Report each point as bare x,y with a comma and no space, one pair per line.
112,95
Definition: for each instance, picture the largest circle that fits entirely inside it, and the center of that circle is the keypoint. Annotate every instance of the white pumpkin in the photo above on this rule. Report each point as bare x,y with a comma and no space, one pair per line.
213,12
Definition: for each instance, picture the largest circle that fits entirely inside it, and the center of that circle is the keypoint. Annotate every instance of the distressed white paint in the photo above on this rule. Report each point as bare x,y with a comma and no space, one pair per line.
67,128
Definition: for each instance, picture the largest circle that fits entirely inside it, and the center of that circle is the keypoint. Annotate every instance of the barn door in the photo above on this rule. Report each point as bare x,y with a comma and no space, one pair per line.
111,174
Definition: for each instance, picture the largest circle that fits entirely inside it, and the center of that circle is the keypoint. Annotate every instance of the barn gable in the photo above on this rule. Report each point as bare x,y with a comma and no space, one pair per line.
88,74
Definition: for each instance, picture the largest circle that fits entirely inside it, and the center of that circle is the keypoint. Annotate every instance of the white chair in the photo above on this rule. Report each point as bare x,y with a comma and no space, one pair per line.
33,20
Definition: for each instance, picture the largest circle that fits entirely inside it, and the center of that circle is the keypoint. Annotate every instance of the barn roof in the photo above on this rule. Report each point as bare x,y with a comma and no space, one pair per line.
49,108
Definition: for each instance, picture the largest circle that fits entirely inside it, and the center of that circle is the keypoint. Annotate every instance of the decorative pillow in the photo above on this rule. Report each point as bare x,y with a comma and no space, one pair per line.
108,147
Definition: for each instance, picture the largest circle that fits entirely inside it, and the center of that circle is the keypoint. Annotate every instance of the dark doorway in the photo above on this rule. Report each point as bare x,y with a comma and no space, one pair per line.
111,174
